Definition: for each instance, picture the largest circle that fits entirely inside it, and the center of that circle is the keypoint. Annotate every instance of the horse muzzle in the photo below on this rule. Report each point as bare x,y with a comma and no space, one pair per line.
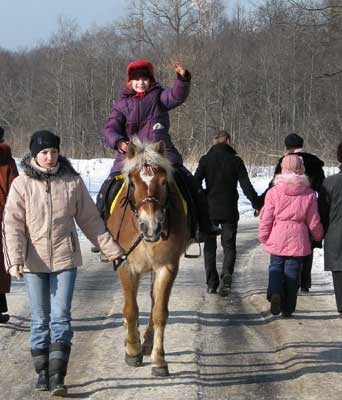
151,232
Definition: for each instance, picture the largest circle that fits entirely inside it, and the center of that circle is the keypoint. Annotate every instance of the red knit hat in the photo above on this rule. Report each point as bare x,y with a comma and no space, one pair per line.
140,67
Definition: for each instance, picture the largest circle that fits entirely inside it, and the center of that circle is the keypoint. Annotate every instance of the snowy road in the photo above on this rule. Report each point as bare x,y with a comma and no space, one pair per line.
217,348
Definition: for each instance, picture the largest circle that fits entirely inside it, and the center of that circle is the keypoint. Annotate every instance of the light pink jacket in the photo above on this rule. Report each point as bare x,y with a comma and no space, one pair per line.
289,215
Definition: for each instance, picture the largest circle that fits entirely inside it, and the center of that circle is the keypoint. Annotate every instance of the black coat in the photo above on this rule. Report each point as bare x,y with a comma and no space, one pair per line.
330,208
222,169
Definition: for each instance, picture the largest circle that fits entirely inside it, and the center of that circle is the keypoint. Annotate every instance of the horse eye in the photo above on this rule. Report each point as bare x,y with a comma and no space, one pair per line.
164,182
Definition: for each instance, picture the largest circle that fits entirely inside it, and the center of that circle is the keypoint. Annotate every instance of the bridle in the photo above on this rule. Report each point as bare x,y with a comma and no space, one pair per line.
151,200
129,200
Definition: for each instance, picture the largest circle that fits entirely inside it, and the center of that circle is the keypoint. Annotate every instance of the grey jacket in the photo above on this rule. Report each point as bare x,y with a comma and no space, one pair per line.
330,209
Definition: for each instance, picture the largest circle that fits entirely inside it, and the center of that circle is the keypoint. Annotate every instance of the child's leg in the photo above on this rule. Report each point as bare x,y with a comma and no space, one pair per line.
275,276
103,192
291,276
183,178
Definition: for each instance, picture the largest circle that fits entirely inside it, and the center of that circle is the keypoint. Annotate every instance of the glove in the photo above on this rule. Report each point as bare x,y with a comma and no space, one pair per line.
111,252
17,271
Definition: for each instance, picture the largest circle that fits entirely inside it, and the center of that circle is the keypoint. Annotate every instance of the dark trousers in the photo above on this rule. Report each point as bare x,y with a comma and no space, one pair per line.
283,279
305,276
3,303
337,280
228,242
190,187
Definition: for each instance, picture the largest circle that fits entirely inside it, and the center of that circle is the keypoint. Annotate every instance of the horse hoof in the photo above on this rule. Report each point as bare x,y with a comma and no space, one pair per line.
134,361
160,371
147,349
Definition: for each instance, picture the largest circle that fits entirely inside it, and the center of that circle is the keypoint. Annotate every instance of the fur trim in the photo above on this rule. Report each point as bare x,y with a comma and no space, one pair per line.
140,65
292,178
65,168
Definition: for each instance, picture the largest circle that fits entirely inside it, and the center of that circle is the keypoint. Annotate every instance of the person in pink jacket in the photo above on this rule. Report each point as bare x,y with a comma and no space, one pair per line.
288,218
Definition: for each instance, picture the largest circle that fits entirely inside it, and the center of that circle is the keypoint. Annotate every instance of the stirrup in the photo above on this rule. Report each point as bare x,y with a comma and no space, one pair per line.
187,255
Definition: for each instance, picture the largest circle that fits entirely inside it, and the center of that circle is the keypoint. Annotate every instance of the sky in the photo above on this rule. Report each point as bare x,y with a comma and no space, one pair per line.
28,23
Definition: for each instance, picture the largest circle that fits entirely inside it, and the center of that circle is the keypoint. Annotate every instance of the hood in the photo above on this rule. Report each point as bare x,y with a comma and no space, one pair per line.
293,184
5,154
64,168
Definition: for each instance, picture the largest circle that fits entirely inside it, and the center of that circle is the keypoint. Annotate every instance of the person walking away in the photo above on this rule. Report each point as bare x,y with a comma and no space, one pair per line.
330,207
289,214
142,112
8,171
315,173
41,244
222,169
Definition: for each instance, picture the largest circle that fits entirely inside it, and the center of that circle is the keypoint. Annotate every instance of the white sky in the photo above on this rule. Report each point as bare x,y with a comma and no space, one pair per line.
26,23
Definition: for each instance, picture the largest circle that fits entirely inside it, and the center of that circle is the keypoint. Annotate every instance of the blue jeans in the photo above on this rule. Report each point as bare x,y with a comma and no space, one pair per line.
283,279
50,296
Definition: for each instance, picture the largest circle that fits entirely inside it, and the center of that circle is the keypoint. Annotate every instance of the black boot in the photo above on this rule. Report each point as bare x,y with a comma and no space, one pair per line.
58,363
41,365
4,318
57,387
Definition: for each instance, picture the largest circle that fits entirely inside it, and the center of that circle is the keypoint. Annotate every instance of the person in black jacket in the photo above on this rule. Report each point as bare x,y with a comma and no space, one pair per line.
221,169
330,208
314,171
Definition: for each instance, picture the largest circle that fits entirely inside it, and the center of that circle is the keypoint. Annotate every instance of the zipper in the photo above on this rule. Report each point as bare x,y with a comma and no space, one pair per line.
49,202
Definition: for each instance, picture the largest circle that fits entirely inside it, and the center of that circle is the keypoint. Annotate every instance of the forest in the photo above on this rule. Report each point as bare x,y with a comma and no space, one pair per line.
260,73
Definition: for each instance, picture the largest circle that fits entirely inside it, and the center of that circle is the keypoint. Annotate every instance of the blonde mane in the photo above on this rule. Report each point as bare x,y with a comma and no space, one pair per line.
147,154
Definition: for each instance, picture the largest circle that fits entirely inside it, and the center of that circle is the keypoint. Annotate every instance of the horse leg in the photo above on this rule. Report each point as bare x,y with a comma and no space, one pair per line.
161,292
149,331
130,283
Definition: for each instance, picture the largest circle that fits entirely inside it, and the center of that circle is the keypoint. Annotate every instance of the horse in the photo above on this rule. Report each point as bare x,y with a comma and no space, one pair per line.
150,223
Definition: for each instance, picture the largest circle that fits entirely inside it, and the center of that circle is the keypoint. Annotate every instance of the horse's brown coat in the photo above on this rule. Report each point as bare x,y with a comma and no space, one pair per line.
161,257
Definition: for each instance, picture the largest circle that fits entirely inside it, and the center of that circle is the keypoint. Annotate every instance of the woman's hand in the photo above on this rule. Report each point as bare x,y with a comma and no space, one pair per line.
17,271
122,146
179,69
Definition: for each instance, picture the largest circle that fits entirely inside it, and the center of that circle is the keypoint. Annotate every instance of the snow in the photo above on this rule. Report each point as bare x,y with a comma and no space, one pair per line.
95,171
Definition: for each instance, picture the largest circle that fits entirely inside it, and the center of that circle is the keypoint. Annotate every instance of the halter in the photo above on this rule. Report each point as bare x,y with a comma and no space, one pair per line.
150,200
135,208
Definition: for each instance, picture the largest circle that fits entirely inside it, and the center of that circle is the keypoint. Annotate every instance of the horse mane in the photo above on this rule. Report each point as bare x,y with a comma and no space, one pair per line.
147,154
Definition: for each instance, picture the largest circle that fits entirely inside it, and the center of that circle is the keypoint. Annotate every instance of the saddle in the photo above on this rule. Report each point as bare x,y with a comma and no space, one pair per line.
112,191
115,184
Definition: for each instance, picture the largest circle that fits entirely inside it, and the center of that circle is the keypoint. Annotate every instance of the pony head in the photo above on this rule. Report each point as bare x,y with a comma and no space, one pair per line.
148,174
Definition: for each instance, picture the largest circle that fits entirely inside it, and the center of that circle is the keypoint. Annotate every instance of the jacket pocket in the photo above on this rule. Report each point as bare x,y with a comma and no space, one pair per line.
73,242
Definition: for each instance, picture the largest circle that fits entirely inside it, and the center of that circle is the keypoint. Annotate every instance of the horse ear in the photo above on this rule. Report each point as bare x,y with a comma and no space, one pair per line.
132,150
160,148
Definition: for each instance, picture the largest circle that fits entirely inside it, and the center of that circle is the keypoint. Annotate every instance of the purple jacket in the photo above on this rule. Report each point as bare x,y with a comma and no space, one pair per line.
289,215
146,117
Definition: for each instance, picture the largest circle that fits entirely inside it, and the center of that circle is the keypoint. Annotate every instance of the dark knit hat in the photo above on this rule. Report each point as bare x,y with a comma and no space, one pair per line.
2,132
339,153
293,141
140,68
41,140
